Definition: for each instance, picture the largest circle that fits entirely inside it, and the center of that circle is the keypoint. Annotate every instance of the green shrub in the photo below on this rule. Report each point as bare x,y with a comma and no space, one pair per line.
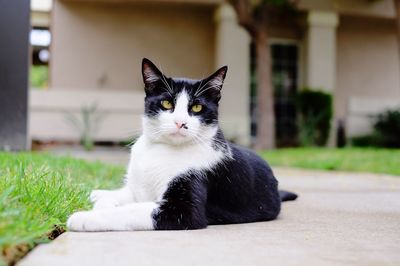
386,131
39,76
315,109
88,124
364,141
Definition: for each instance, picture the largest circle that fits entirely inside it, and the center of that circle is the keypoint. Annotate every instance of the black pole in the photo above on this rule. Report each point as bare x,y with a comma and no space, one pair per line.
14,62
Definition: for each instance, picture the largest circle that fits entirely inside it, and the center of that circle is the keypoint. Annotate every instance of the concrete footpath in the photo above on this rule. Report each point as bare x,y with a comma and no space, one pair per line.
339,219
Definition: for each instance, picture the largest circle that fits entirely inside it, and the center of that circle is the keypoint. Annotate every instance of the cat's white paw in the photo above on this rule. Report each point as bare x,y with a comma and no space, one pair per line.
103,199
105,203
98,194
85,221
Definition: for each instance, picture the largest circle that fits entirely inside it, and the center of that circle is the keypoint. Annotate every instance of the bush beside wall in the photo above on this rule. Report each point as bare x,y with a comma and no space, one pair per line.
315,108
386,131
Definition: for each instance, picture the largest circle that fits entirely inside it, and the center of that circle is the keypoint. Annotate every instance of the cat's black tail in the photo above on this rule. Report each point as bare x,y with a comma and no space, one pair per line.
286,195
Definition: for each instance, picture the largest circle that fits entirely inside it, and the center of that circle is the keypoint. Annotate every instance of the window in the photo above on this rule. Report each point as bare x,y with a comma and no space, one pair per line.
285,57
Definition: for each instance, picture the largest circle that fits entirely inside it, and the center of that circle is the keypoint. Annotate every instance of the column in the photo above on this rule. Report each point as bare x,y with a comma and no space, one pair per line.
233,49
321,50
321,56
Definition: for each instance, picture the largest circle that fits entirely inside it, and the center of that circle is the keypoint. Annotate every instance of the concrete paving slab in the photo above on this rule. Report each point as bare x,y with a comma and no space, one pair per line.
339,219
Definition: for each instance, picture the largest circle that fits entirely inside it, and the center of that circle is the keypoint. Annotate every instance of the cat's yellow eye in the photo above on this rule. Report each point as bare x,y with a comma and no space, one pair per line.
197,108
166,104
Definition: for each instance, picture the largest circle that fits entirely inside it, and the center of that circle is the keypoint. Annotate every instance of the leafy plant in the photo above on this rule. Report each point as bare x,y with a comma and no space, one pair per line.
364,141
39,76
87,124
387,128
315,109
386,131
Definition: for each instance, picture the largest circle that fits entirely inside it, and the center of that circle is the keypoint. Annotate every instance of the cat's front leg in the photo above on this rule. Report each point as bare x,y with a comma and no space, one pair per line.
183,205
133,216
103,199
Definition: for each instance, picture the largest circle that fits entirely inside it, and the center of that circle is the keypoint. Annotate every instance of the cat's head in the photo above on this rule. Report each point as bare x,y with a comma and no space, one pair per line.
178,110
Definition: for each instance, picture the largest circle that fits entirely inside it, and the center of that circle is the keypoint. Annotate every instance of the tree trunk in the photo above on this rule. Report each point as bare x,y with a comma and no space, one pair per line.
265,101
397,9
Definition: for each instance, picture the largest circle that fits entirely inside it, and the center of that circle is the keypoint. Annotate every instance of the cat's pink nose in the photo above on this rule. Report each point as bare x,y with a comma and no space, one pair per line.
180,124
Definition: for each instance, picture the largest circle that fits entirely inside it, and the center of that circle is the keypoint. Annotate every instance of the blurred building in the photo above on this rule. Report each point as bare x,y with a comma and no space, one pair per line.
348,48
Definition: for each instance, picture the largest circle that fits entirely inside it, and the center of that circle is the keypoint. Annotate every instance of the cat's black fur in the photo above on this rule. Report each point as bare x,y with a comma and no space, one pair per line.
239,189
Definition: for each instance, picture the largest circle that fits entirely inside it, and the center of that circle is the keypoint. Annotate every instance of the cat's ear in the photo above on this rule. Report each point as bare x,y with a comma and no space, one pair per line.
212,85
151,74
216,80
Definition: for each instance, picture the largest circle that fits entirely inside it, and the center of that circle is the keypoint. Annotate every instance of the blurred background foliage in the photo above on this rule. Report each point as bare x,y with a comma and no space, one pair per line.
386,131
39,76
315,108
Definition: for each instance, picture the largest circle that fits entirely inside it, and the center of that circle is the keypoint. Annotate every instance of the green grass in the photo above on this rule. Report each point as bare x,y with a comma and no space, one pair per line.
37,194
385,161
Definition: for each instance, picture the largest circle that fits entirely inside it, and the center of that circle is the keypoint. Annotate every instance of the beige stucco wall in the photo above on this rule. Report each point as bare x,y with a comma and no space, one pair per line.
118,114
367,63
100,46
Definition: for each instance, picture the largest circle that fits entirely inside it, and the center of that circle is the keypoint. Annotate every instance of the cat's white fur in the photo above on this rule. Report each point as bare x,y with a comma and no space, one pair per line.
163,152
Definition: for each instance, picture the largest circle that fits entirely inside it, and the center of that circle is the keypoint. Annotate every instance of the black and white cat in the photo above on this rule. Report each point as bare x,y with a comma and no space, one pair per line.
182,173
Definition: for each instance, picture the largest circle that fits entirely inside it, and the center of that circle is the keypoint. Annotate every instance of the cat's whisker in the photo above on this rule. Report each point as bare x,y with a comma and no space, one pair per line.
205,84
206,89
154,133
217,141
172,85
200,140
168,92
198,88
166,84
167,88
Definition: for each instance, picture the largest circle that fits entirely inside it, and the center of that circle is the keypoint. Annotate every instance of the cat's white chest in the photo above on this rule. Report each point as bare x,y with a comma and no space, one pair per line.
153,166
